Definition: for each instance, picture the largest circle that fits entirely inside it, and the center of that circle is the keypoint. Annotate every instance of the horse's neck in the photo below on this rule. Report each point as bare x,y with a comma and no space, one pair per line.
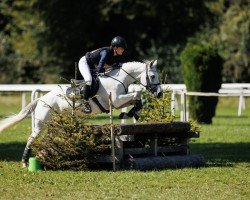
129,73
132,71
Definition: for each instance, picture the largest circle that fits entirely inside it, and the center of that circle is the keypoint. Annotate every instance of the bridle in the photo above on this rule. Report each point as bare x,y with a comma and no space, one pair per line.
150,87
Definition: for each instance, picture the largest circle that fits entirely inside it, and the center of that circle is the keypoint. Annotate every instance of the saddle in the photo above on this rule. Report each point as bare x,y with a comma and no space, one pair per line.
76,90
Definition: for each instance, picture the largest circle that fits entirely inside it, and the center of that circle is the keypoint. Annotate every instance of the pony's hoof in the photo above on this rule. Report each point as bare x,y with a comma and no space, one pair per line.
136,116
24,165
123,115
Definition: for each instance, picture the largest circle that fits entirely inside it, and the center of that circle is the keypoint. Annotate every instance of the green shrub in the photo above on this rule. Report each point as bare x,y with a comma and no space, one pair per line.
202,68
156,110
68,141
159,110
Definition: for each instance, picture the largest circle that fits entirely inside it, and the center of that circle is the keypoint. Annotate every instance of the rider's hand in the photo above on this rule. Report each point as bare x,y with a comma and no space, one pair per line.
95,74
101,74
117,65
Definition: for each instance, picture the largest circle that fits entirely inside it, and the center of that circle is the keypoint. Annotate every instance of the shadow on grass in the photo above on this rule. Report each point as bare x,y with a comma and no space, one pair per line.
11,151
215,154
222,154
232,117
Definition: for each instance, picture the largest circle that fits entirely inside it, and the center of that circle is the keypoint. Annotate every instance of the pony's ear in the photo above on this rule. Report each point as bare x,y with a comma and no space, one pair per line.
153,63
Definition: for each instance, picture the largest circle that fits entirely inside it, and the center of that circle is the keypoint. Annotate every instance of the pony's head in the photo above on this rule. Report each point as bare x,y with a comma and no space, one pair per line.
150,79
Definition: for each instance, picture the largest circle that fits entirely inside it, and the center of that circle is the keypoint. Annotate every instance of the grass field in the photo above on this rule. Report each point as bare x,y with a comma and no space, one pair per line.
225,146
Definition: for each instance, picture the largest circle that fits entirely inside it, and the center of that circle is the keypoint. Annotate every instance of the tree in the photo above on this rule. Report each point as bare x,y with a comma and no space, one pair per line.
23,53
234,39
75,27
48,37
202,67
231,35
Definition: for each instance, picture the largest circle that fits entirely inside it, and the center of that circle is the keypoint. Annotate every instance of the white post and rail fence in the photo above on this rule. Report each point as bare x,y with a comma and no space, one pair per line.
240,90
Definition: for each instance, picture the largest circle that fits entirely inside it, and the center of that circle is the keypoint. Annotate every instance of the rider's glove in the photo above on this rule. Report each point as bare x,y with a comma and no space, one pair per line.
117,65
101,74
95,74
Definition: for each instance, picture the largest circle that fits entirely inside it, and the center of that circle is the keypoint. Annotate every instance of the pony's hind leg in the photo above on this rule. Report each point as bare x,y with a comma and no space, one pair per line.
27,152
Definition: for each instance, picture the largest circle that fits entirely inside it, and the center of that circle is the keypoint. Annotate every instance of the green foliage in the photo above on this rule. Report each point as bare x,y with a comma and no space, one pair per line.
47,37
230,33
156,109
40,40
8,59
202,68
167,60
159,110
234,46
68,141
194,127
24,57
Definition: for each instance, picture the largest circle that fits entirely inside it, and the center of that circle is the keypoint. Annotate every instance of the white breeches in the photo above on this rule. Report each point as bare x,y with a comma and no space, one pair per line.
85,71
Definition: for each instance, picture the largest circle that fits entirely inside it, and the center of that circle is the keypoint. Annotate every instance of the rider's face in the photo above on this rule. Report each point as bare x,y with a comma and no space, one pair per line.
119,50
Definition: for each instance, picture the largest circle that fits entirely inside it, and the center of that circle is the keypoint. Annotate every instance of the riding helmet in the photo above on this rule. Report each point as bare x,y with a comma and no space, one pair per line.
119,41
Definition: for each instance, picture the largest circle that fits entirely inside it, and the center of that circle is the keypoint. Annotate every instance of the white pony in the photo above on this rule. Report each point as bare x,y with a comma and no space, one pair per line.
115,82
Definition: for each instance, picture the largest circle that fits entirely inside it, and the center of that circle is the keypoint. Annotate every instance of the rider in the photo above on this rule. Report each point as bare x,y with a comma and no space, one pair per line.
93,63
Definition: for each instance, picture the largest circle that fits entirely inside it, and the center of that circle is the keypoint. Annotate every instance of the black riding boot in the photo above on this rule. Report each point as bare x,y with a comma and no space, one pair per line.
86,95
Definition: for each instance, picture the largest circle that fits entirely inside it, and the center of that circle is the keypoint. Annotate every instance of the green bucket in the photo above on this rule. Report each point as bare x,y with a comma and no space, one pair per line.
34,164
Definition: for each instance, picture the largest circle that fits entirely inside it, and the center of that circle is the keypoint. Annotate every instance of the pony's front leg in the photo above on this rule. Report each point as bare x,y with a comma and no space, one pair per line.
133,111
126,99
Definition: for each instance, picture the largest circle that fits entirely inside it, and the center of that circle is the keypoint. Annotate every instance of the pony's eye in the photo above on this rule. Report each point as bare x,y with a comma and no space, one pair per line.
153,76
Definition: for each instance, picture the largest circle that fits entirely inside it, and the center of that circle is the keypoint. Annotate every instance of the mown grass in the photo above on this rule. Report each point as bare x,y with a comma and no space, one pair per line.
225,146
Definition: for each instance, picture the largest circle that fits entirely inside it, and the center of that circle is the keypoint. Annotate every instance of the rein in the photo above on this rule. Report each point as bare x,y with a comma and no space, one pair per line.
136,81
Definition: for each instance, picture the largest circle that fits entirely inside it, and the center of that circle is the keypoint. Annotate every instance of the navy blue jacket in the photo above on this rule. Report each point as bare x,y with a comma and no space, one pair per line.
98,58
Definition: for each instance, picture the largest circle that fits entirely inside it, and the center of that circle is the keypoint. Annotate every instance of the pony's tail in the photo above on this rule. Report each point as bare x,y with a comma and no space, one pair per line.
10,121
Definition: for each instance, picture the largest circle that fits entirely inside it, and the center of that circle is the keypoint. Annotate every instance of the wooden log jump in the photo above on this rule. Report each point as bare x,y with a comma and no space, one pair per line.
173,129
155,146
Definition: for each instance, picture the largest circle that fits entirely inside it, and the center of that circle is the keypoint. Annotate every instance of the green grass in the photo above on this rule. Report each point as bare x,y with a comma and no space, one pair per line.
225,146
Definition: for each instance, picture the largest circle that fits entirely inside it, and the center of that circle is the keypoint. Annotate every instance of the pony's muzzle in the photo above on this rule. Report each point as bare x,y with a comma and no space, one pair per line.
159,95
158,92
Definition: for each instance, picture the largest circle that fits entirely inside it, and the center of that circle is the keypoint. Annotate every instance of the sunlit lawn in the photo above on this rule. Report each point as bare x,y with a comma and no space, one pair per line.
225,146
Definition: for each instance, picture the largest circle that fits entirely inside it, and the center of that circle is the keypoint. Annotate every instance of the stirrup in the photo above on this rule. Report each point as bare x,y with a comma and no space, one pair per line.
86,107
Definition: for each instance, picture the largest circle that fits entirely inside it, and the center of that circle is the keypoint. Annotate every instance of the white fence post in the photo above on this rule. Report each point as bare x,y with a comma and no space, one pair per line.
183,107
240,103
173,103
23,99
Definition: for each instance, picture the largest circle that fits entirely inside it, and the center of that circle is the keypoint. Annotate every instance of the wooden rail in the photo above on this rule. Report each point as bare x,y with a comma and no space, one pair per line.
240,90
